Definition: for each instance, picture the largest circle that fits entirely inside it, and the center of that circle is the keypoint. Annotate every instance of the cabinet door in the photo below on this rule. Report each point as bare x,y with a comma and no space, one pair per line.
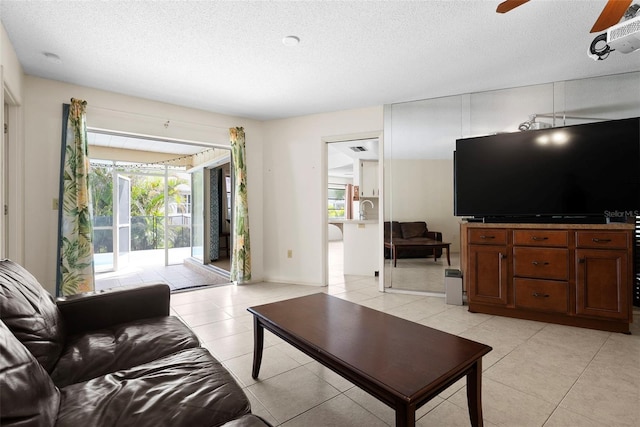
488,274
369,179
602,281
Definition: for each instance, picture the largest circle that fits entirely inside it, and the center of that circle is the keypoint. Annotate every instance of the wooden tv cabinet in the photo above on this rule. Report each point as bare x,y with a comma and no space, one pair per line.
571,274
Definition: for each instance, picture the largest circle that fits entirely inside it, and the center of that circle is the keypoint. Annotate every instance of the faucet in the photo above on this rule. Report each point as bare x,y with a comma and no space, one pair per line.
362,215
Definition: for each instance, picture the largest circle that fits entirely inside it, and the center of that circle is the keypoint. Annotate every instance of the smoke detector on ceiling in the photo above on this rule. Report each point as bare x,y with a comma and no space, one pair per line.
358,148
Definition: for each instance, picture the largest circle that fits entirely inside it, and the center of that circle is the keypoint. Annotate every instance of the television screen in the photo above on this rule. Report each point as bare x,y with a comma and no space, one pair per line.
589,170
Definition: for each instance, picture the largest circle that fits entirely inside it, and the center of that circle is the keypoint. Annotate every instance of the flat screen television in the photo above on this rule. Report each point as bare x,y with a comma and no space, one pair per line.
589,171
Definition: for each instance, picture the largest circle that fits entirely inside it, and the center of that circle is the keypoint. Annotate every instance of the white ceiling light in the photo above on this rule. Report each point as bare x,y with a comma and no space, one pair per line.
291,41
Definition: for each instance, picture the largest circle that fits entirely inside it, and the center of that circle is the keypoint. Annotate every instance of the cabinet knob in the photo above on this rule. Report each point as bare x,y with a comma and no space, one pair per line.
539,295
537,239
487,237
503,256
581,260
539,263
596,240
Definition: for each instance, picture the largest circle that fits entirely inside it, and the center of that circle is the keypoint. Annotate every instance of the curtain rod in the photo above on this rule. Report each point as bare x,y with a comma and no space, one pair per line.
165,119
155,138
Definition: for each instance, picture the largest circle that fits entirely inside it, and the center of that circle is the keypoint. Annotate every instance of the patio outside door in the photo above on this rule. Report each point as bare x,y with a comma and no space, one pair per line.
111,225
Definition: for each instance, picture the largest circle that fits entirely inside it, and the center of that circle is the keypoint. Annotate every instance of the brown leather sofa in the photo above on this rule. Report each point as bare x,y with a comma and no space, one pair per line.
395,231
113,358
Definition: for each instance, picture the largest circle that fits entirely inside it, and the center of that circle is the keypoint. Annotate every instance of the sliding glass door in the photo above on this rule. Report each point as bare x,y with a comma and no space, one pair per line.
142,216
123,221
197,215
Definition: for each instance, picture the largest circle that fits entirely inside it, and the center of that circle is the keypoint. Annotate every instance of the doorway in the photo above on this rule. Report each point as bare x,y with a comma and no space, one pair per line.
220,215
4,184
213,213
346,158
160,212
141,216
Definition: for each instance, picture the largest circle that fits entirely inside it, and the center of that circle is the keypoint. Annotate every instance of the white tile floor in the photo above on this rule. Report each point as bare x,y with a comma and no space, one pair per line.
538,374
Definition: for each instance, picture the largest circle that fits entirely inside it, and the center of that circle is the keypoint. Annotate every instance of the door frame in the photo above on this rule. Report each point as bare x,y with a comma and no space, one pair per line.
12,179
325,141
120,261
206,168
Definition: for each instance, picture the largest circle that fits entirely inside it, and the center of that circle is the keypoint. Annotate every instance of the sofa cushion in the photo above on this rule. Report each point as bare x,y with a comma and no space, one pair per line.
189,388
96,353
392,230
413,229
28,397
30,312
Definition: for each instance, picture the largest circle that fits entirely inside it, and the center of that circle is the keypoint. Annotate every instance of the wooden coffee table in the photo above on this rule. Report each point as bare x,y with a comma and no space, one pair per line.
401,363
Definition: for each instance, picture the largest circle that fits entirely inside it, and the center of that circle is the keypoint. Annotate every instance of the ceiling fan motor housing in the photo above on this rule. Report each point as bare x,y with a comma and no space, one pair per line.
625,36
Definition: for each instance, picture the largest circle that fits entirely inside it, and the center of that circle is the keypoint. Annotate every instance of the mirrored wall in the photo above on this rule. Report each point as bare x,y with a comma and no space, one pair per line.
419,148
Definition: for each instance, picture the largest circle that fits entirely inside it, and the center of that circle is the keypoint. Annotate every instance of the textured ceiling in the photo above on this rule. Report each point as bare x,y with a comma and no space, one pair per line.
227,56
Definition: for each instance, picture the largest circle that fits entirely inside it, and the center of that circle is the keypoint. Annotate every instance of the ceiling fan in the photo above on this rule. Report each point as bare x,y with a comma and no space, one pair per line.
610,15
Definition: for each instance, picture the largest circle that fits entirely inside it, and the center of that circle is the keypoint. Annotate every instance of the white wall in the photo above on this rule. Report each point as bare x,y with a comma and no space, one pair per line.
422,190
11,69
294,171
285,171
42,143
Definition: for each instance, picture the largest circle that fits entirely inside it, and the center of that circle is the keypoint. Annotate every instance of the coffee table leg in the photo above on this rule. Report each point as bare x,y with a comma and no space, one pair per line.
395,255
474,392
405,416
258,343
448,258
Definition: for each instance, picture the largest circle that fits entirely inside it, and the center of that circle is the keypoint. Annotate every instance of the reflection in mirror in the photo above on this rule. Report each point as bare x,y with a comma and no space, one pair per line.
420,228
420,139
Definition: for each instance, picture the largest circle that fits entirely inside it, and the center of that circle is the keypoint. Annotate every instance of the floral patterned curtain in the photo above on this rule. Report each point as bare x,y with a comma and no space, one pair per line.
241,257
75,233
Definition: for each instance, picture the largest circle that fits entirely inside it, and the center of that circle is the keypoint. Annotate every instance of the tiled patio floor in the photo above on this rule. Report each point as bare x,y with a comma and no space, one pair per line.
148,267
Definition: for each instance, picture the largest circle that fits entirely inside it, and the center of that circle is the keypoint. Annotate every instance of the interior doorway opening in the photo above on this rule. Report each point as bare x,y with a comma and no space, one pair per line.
220,215
213,214
353,232
4,184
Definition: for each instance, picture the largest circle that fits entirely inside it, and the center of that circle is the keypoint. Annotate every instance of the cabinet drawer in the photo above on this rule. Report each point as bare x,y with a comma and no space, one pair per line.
541,263
602,239
541,295
487,236
541,238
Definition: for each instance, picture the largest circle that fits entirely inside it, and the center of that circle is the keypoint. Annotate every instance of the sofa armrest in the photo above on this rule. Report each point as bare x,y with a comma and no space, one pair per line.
98,310
435,235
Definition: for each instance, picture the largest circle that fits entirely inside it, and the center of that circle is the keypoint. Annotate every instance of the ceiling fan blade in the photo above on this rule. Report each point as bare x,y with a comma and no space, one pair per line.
611,14
507,5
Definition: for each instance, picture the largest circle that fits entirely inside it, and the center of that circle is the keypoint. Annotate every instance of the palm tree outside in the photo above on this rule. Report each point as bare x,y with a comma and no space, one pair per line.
147,209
